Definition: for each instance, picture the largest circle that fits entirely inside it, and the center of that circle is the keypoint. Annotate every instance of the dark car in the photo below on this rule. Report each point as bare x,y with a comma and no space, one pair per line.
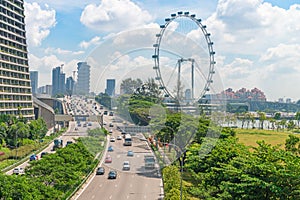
129,153
69,142
112,174
110,148
43,154
33,157
100,171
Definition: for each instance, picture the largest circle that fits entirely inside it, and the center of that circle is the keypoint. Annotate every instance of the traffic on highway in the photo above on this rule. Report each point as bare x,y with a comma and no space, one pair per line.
123,172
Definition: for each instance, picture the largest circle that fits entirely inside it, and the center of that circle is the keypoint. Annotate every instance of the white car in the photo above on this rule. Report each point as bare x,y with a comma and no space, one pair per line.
112,139
119,137
126,165
18,170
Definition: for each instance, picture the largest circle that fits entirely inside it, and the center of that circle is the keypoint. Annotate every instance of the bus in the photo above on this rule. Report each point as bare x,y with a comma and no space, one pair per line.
127,140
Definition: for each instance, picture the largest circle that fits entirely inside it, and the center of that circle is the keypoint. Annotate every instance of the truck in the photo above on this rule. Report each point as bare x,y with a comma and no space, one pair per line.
58,143
149,162
127,140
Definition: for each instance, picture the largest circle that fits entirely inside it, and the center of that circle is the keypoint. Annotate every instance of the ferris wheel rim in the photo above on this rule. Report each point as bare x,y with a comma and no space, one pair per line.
209,43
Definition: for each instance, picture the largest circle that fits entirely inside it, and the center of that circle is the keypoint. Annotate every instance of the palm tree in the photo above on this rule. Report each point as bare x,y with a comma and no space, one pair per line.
297,118
262,118
3,132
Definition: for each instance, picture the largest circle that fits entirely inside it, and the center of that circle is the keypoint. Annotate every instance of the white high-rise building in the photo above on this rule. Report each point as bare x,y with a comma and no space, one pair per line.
15,88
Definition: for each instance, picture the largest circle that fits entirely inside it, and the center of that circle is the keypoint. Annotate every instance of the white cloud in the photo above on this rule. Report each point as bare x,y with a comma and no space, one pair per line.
38,23
253,24
114,16
94,41
60,51
64,5
282,51
45,64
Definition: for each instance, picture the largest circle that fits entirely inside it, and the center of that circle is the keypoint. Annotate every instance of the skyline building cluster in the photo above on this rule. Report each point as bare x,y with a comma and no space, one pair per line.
62,85
254,94
15,86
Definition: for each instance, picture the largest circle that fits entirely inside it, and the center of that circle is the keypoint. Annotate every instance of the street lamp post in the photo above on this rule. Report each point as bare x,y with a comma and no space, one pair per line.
178,151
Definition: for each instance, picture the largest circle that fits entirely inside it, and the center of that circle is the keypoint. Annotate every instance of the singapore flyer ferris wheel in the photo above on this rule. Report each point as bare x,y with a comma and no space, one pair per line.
184,58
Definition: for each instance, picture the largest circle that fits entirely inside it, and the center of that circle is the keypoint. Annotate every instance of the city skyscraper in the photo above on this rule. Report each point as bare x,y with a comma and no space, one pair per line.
58,81
70,85
83,78
34,81
110,87
46,89
15,89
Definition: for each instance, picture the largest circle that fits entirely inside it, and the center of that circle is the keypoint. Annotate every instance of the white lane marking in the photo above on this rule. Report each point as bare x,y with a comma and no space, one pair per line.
110,197
138,156
145,197
130,185
100,185
127,197
116,185
118,156
93,196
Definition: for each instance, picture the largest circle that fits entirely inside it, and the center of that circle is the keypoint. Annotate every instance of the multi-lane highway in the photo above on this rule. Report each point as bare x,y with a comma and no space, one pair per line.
74,131
135,184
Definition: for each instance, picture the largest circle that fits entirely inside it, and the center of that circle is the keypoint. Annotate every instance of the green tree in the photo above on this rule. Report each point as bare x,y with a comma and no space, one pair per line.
104,99
277,116
297,118
291,144
3,132
129,85
37,129
262,118
291,125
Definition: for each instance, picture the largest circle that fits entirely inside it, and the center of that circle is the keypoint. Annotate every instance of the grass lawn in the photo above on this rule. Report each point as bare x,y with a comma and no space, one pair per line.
250,136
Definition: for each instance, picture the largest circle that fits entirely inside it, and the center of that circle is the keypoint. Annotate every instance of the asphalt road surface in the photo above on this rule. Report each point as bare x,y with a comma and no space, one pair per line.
134,184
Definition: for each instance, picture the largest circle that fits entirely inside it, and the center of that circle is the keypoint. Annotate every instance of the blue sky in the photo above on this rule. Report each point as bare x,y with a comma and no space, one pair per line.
257,42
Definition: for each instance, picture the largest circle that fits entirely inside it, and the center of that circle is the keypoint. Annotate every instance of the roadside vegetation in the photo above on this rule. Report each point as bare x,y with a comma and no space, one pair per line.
258,161
19,138
55,176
